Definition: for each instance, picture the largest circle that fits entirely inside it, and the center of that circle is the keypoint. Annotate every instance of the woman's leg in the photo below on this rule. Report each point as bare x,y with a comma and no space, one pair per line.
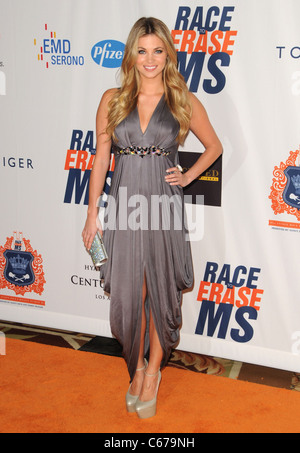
145,385
149,386
138,378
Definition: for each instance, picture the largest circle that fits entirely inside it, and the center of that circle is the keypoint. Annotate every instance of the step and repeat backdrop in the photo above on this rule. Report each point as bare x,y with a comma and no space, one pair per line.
241,59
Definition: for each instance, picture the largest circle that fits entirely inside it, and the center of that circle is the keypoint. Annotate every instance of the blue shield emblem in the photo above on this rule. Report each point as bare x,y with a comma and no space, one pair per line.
291,193
18,269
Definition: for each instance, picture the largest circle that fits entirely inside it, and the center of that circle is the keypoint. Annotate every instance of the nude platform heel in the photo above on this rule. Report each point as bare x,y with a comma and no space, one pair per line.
147,409
132,399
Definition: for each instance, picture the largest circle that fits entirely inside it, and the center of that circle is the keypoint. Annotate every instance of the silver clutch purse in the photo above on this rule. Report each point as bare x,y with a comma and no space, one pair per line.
98,252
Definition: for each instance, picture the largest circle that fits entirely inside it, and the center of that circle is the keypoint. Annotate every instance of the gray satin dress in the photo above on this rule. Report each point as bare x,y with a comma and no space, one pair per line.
144,241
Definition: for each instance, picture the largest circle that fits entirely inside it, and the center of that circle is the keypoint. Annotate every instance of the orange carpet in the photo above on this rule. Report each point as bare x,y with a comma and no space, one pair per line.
46,389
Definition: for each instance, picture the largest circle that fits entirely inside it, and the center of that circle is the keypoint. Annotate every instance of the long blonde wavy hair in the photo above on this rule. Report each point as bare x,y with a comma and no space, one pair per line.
125,98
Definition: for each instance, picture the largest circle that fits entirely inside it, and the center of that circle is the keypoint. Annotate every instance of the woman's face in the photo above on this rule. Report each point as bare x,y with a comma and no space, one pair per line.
152,56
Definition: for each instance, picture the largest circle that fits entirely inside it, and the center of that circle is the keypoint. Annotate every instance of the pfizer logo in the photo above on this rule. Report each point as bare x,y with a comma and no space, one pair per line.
108,54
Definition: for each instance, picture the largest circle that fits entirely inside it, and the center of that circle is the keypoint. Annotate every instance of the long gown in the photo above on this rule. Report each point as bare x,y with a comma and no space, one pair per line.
143,242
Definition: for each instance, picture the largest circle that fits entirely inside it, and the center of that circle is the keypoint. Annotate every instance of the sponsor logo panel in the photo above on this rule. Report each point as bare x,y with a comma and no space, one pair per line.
21,270
230,300
54,50
204,40
285,194
108,53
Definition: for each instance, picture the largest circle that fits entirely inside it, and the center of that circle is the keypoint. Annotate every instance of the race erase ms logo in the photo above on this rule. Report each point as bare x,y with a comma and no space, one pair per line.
108,54
204,40
79,163
230,300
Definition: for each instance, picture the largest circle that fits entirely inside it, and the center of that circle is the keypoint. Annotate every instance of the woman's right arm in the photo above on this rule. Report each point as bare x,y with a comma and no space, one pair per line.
99,171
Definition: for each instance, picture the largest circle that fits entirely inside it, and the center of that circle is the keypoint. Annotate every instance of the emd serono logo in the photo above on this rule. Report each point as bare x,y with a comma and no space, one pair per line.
56,51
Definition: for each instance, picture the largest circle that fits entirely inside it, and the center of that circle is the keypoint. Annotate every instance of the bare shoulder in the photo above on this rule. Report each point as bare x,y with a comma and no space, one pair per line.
105,99
199,114
196,104
108,94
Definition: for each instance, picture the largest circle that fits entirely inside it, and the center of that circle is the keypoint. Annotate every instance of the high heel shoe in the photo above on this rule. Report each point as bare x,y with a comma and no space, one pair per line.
147,409
132,399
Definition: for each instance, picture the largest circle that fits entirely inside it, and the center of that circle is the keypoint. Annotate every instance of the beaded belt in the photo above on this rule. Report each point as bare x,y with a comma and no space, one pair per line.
142,150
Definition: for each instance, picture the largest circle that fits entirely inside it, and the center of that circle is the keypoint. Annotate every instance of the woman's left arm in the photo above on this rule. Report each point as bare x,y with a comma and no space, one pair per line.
203,130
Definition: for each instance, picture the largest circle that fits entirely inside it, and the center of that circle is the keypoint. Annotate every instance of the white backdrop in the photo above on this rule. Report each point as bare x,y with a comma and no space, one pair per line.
241,58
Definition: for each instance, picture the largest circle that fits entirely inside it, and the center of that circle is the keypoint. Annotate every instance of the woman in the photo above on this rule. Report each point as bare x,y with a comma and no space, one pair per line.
149,264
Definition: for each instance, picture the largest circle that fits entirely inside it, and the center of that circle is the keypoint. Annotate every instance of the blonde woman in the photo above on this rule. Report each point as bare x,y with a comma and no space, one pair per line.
150,262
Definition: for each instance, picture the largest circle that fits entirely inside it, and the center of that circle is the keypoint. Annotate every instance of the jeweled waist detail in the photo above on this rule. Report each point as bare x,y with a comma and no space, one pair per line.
142,151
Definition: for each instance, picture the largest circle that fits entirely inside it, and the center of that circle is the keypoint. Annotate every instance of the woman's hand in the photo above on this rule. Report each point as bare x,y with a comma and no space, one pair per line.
92,225
175,177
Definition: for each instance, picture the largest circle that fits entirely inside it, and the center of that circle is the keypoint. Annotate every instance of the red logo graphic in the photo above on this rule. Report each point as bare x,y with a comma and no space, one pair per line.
284,196
21,268
41,51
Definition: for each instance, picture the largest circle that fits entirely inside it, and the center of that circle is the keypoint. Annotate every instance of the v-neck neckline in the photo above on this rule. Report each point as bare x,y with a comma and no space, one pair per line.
154,111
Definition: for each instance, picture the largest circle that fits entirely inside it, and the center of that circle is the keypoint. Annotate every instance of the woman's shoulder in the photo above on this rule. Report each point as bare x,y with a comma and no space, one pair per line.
193,98
197,106
106,98
109,94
